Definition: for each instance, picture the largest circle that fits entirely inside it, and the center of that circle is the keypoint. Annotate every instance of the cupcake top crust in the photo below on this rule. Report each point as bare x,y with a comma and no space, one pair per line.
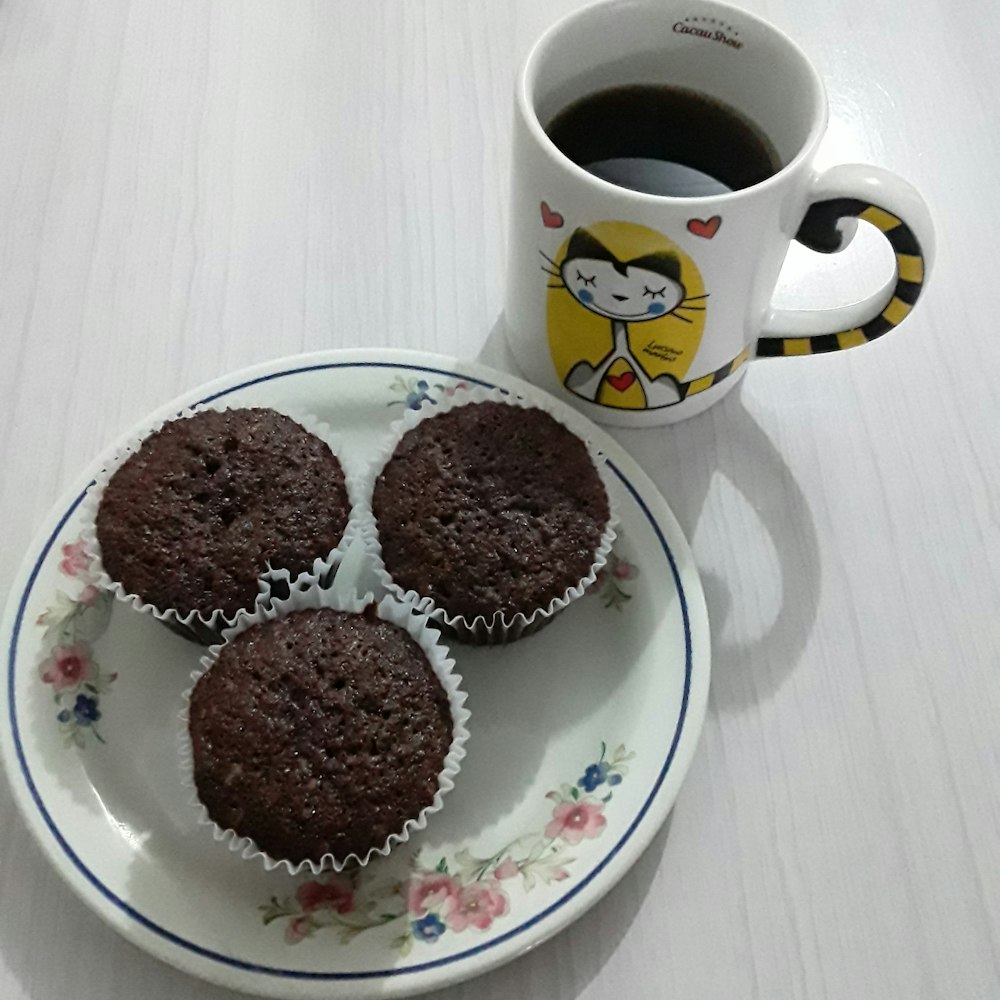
319,733
490,507
192,519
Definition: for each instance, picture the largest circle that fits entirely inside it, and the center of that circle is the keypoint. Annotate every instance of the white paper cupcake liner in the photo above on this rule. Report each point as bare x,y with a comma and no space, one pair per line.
501,628
194,624
307,593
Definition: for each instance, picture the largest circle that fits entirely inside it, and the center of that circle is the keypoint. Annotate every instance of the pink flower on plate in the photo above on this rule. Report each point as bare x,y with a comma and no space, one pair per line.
297,929
88,596
476,905
75,561
67,667
507,868
575,820
451,390
336,893
430,891
625,570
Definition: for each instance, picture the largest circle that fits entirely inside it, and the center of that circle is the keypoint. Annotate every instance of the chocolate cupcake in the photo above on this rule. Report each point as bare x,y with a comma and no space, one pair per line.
319,736
207,504
491,515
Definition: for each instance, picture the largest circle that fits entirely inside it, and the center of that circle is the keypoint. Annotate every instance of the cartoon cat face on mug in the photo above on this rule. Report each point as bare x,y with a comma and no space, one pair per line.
644,288
625,315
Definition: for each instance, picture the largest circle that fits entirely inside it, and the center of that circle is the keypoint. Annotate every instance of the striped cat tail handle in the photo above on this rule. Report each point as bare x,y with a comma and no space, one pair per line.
896,209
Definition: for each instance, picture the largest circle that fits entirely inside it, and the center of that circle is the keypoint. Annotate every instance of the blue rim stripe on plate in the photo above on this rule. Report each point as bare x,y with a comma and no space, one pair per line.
374,973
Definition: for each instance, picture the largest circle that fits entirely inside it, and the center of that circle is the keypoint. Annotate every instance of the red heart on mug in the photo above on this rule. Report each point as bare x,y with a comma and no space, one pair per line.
705,228
550,219
621,382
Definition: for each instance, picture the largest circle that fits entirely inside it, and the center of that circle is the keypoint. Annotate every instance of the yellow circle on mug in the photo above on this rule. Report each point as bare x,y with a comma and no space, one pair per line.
626,311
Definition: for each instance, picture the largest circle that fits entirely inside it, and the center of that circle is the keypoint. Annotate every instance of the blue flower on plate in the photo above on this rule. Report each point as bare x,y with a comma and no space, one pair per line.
65,715
85,711
594,775
614,779
428,928
416,397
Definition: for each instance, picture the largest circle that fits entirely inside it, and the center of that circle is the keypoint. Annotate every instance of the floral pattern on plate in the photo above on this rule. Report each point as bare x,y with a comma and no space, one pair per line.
414,392
470,892
72,624
611,579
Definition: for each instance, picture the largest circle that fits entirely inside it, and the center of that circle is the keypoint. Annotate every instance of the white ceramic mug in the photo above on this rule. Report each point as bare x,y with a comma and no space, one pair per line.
586,332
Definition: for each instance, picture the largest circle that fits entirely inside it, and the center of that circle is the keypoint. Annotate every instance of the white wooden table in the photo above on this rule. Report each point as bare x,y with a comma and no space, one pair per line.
190,187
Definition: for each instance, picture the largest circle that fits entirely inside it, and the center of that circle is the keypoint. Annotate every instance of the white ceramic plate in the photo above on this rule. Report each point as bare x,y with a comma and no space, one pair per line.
581,736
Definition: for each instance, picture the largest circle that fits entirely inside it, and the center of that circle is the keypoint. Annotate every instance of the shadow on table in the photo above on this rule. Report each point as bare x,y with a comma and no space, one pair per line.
683,459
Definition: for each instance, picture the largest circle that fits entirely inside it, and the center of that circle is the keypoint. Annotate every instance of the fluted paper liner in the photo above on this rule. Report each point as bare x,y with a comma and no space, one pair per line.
501,628
195,624
307,592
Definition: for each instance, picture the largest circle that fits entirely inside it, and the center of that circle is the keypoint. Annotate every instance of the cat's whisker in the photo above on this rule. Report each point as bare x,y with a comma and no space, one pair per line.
694,298
553,274
693,308
683,319
557,286
548,258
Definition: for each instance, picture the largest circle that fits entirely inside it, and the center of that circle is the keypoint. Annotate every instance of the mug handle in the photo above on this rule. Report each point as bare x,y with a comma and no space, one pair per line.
847,192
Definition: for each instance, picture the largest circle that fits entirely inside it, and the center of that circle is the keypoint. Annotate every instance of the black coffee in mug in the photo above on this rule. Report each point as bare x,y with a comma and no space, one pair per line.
664,140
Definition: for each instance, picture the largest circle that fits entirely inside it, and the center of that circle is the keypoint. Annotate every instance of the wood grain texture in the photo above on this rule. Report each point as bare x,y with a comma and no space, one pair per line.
186,188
